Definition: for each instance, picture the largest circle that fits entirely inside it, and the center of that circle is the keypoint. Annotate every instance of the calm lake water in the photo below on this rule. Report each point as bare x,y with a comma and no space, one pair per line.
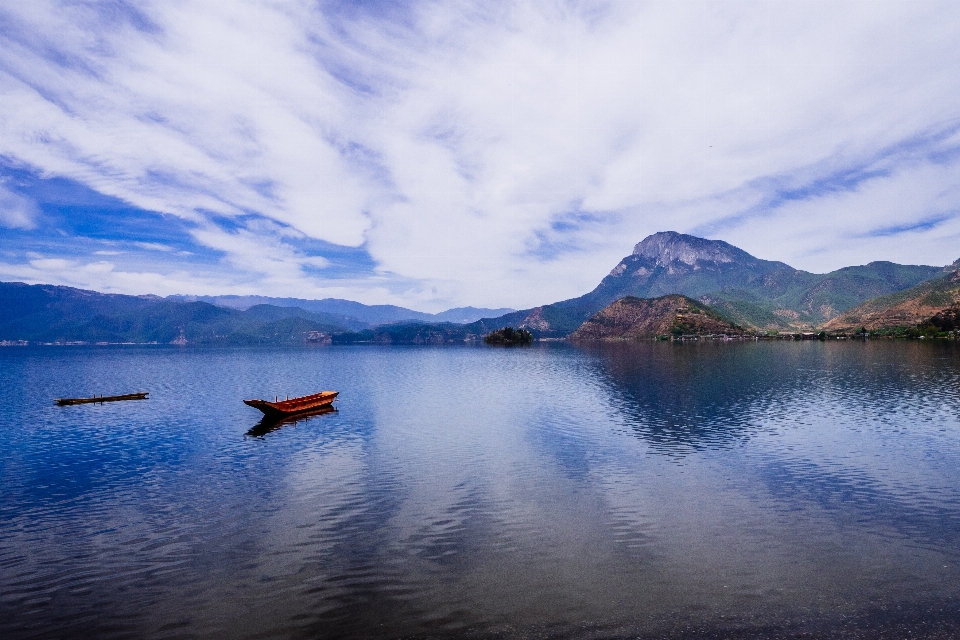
746,490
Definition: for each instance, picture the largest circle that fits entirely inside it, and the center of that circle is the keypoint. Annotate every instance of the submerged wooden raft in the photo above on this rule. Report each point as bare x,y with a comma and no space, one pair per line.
127,396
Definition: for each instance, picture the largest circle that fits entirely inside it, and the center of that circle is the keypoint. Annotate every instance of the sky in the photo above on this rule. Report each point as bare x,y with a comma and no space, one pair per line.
448,153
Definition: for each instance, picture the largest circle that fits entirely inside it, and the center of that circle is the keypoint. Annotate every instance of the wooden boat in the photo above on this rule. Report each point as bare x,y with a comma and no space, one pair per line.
293,406
127,396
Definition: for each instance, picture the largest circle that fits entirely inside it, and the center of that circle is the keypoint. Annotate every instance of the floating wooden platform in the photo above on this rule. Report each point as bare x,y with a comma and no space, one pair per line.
127,396
293,406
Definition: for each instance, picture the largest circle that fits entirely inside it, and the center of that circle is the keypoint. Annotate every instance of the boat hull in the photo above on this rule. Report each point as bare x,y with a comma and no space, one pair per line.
294,406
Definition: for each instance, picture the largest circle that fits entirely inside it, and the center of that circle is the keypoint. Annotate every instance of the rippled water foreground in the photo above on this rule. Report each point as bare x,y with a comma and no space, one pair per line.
653,490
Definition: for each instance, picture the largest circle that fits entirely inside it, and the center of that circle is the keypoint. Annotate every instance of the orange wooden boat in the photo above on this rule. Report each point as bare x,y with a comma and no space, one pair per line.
292,406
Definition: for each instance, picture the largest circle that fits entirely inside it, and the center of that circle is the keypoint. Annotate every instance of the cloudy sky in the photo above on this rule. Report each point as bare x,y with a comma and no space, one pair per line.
448,153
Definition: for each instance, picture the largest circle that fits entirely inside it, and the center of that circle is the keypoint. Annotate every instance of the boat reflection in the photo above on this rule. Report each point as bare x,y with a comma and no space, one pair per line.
268,424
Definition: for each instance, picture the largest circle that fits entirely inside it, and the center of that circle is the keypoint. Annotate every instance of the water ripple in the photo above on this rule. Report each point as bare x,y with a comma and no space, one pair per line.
630,490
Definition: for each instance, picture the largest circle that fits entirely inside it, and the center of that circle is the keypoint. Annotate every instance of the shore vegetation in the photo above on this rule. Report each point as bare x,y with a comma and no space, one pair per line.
509,336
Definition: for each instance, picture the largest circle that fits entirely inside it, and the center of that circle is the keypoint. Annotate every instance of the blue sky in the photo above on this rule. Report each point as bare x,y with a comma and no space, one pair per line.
440,154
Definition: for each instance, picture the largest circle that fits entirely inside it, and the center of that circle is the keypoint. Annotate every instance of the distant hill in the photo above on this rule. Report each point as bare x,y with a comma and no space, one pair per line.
466,315
47,313
750,291
907,308
350,311
674,315
55,314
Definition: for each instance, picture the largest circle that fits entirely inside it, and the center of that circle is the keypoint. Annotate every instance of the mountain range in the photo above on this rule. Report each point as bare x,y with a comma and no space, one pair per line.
47,313
372,315
706,280
745,289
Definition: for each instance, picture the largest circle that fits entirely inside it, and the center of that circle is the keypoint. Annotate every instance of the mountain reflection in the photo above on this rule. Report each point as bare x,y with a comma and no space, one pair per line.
682,398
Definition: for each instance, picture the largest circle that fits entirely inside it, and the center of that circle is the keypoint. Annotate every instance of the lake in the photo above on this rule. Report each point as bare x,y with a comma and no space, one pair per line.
704,490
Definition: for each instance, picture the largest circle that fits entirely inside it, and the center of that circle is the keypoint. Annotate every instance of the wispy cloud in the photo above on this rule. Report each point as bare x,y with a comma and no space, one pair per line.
448,148
153,246
16,211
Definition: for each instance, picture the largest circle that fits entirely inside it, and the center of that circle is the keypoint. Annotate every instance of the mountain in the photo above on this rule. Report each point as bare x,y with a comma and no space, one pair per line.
749,290
466,315
632,318
47,313
348,310
907,308
744,289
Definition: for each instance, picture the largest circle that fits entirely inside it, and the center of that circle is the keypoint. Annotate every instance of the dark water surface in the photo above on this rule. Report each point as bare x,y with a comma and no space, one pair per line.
654,490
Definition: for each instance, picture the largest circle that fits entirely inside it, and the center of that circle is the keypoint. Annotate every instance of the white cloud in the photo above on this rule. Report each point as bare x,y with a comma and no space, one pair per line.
506,153
222,111
911,216
16,211
100,275
135,276
153,246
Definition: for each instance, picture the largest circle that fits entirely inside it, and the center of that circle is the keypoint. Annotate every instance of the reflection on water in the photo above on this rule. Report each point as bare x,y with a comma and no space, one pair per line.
626,490
272,423
710,395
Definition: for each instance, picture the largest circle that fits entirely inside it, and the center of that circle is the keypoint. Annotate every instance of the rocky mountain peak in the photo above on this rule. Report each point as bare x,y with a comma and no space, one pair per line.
666,247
